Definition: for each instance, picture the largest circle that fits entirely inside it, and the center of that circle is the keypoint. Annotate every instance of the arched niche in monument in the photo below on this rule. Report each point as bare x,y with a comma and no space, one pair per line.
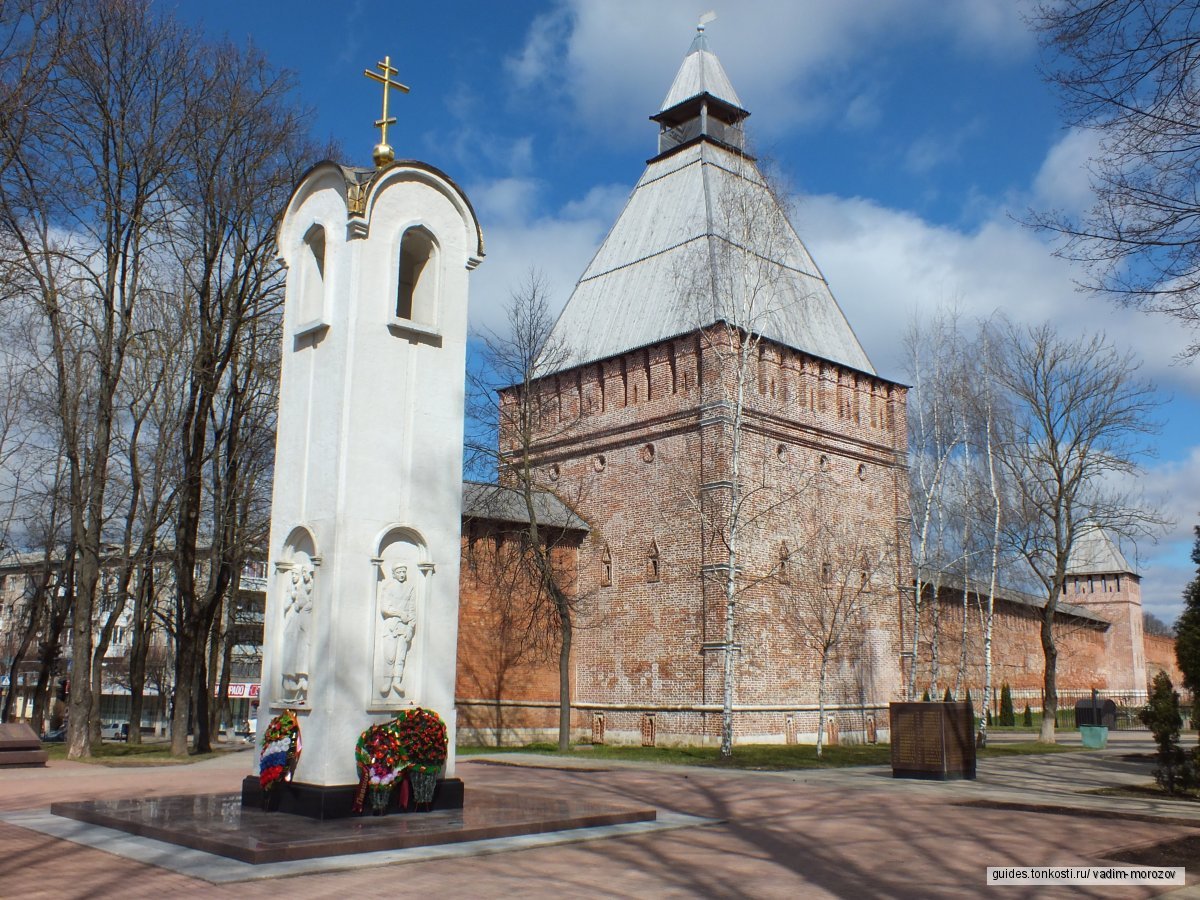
402,569
417,276
312,275
297,574
310,246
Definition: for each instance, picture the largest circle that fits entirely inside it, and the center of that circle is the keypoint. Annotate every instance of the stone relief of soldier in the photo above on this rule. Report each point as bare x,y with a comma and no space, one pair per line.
397,605
297,620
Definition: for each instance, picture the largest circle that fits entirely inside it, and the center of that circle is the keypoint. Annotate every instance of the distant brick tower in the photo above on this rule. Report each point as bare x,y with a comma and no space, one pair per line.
1100,579
702,263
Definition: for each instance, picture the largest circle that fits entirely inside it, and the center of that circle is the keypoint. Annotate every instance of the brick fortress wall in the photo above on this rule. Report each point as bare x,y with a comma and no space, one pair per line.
1093,653
641,446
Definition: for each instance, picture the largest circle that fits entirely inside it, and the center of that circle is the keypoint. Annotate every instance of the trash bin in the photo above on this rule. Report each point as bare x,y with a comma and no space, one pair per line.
1095,737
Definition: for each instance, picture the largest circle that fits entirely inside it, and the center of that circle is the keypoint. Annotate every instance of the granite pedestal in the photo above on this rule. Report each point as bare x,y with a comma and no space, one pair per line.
331,802
19,746
221,824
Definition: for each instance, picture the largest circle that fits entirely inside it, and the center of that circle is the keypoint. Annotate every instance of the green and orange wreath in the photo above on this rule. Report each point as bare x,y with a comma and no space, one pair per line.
280,751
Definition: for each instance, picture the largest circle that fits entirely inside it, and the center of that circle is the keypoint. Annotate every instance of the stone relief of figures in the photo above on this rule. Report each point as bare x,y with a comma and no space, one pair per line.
297,625
394,627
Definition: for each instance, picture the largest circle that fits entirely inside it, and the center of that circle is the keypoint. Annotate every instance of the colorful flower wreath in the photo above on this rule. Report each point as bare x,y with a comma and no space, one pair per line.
422,733
381,759
281,750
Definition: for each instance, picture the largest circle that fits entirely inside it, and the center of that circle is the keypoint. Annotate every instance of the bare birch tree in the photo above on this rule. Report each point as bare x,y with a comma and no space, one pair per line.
738,286
934,414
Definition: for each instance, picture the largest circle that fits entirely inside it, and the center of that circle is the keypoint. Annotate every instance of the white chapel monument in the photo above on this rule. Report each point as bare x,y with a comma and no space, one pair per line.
362,602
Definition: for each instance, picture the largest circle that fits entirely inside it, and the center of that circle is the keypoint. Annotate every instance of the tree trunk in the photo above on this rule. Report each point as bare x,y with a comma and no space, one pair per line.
185,680
41,700
202,738
989,618
79,705
213,675
138,650
821,702
564,683
31,629
1049,682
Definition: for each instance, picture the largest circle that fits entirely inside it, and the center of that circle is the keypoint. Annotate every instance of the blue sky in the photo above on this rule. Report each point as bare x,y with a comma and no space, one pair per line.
913,133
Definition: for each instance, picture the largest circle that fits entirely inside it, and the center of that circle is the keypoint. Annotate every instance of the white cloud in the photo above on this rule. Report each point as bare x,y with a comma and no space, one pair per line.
801,60
884,263
932,150
1166,566
863,111
541,54
1063,182
506,201
559,244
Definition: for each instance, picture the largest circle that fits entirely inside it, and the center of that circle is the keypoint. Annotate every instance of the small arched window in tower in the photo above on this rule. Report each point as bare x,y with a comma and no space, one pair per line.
652,562
416,290
827,572
312,276
785,563
606,567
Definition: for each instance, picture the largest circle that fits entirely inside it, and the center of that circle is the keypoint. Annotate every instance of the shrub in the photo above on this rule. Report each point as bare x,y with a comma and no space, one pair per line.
1008,715
949,698
1027,720
1174,772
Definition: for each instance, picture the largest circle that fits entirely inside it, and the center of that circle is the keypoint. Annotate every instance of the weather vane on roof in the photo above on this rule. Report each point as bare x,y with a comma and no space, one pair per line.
383,152
705,19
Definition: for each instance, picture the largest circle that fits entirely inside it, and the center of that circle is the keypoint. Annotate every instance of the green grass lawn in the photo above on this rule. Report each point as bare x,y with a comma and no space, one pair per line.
754,756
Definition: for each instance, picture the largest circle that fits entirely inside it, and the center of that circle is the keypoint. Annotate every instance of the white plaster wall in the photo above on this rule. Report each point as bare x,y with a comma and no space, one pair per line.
370,439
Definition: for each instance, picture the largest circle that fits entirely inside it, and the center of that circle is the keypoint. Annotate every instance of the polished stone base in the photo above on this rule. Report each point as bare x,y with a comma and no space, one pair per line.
220,824
20,747
335,801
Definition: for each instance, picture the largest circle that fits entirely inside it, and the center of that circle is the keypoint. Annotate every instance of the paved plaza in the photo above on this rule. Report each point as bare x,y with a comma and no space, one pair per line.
834,833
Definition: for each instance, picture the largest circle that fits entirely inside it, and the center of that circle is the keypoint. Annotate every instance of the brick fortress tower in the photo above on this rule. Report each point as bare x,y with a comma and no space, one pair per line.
1100,579
707,364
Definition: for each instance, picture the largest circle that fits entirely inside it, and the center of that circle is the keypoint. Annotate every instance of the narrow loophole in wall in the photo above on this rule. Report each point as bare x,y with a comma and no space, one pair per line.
649,730
599,462
831,732
598,728
789,729
648,453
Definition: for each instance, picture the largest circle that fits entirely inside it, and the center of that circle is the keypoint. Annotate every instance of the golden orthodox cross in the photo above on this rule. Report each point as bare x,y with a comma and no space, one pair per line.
383,153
